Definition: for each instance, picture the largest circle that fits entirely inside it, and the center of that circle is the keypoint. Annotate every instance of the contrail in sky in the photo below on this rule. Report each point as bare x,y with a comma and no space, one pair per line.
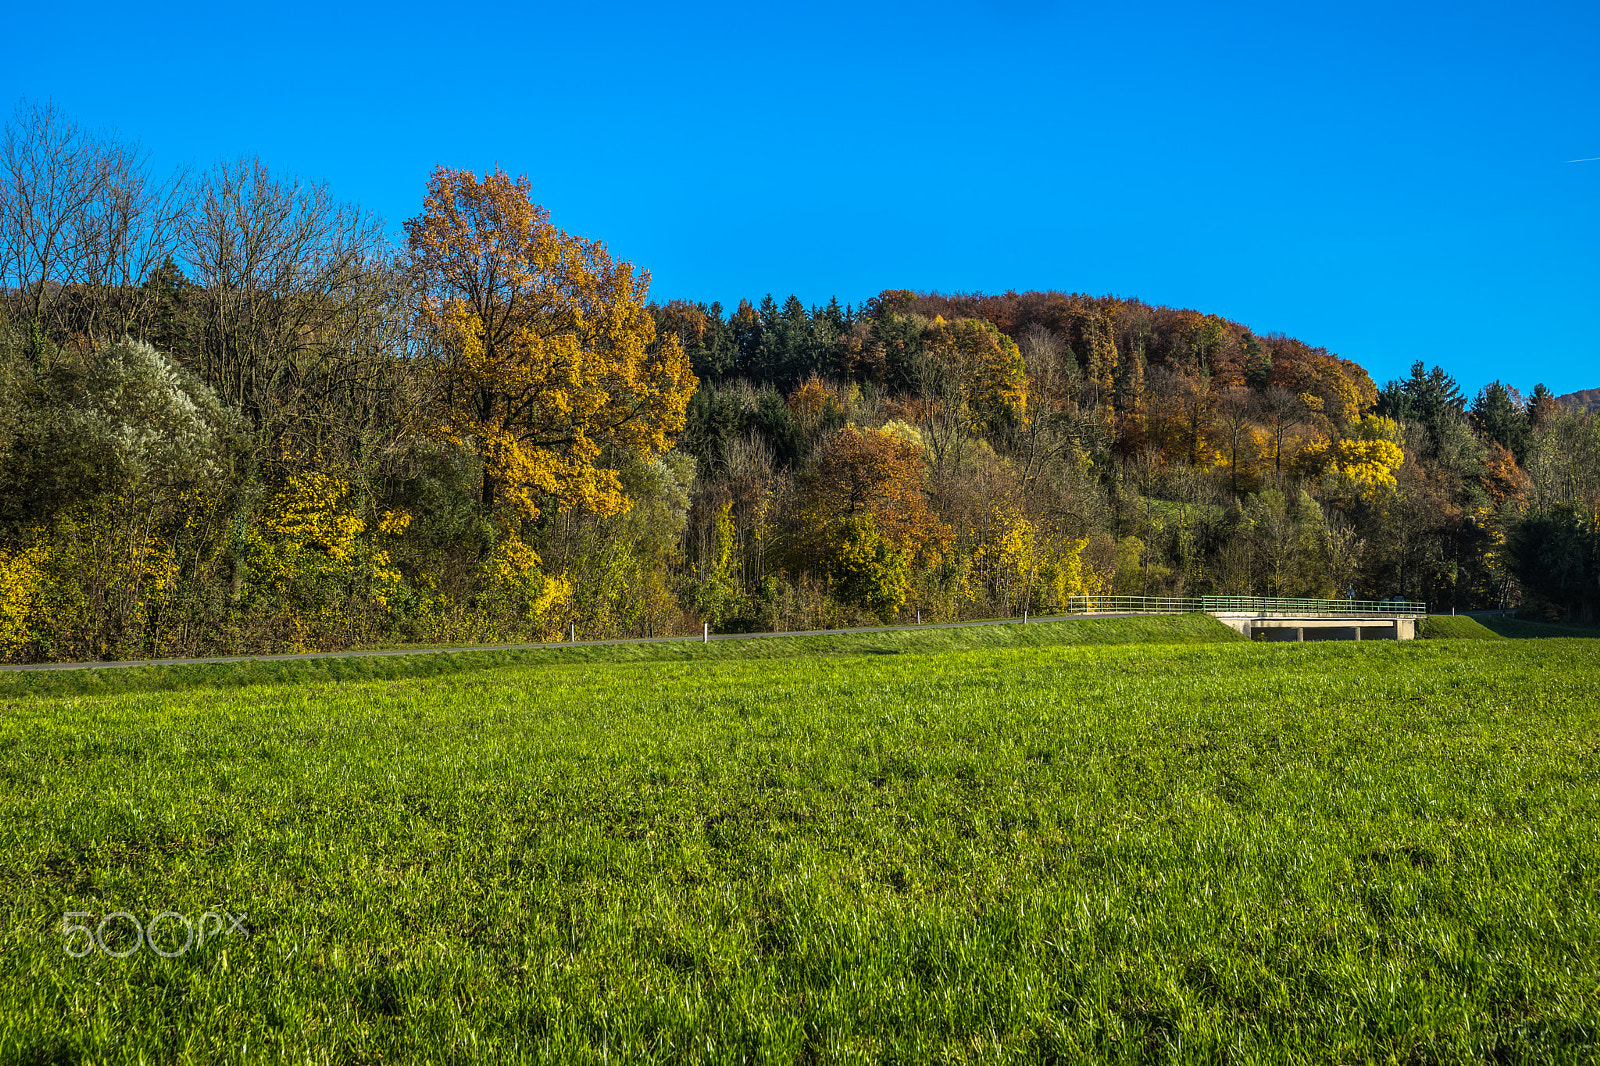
1591,159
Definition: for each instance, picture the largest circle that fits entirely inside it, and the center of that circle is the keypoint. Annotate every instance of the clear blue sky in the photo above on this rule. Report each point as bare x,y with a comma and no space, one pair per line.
1388,180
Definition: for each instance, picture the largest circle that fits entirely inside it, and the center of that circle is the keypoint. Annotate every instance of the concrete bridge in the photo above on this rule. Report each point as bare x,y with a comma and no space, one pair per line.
1320,627
1270,618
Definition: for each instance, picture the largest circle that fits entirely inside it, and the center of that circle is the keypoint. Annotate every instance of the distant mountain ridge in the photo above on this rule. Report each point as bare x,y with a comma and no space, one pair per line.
1583,399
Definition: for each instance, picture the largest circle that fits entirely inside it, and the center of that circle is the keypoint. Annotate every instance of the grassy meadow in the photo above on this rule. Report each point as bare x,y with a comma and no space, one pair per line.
1142,840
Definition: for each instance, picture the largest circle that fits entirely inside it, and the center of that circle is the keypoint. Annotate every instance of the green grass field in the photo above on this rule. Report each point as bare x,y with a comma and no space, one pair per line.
982,845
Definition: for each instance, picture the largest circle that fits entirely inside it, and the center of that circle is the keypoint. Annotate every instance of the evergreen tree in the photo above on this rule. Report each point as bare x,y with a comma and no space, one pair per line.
1498,414
1257,363
796,359
776,423
746,329
1429,398
1541,406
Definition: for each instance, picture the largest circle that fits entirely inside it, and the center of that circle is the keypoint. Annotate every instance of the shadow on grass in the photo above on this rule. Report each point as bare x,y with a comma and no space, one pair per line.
1522,629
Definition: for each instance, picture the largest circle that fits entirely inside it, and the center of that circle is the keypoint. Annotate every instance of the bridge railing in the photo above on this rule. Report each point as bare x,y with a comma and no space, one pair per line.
1250,604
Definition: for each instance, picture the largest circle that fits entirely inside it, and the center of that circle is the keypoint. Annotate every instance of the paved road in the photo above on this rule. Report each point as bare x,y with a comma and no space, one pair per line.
564,643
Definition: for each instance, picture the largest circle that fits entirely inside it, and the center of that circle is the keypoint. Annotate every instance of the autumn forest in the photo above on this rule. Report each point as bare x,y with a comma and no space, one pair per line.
240,415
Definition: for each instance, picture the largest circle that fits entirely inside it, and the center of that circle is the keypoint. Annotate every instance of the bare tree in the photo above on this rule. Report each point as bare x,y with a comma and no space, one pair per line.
49,174
82,227
1282,411
1236,417
302,312
125,231
1343,548
753,483
1047,433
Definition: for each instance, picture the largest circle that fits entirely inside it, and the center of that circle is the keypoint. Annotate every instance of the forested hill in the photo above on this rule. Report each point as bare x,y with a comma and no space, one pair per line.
1175,445
1185,340
1583,399
1108,337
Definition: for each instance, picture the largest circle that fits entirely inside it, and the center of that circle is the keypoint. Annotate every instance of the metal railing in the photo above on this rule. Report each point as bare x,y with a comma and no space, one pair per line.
1242,604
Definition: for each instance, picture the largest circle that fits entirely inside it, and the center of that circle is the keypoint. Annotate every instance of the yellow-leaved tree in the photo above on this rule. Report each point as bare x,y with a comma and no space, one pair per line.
549,353
1363,464
972,375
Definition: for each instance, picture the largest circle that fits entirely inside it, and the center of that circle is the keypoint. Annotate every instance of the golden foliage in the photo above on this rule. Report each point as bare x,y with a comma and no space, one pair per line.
1363,464
983,369
513,581
1024,566
814,403
109,574
307,514
550,352
865,570
903,431
1007,553
1377,427
878,473
22,586
1503,479
312,548
1335,387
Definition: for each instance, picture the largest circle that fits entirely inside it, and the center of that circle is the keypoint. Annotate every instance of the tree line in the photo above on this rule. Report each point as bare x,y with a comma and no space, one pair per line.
238,415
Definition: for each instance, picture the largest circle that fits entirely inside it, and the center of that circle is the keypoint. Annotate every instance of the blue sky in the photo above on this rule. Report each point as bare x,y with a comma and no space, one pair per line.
1387,180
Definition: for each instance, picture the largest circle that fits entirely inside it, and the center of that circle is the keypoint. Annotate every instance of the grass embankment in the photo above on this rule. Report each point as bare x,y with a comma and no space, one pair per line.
1156,629
1320,852
1454,627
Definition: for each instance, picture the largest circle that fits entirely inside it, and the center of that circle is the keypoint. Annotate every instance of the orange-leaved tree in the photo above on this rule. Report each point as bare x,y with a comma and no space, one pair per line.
549,354
863,517
871,472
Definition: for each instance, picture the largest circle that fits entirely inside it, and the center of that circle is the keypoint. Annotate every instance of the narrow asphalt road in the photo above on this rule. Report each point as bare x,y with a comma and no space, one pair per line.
566,643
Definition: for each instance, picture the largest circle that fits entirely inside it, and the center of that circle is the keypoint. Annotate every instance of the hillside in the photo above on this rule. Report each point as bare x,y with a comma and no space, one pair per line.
394,450
1104,328
1583,399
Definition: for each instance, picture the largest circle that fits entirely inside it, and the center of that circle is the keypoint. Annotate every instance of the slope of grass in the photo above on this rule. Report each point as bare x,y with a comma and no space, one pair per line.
1298,853
1157,629
1454,627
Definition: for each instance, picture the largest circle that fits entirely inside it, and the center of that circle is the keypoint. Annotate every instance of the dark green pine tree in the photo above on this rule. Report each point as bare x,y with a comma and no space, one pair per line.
748,339
718,348
1429,398
797,360
1257,363
767,365
836,317
775,422
1541,406
171,320
1498,414
828,328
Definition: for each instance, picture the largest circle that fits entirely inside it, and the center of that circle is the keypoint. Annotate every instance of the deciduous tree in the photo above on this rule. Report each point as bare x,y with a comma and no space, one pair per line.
877,473
548,352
